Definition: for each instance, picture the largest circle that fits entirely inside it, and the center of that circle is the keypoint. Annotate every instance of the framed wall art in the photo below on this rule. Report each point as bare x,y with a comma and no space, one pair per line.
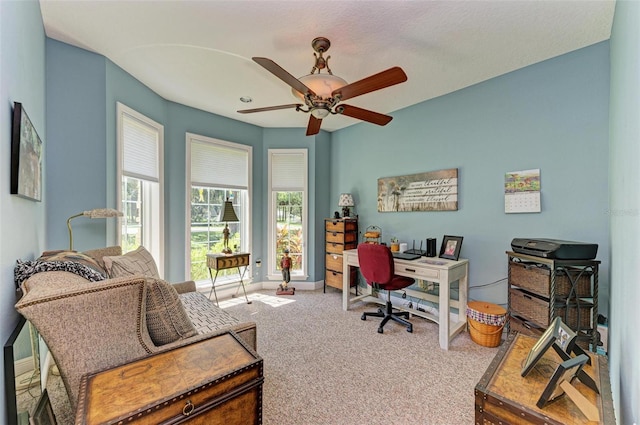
430,191
26,156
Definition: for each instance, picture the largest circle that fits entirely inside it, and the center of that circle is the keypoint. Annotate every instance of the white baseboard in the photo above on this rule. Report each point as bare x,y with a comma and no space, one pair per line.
234,290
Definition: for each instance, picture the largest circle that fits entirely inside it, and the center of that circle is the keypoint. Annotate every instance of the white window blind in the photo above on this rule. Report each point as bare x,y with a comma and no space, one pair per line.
288,171
219,165
141,158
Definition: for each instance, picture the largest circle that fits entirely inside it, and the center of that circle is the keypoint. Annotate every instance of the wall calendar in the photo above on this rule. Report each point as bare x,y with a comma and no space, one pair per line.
522,191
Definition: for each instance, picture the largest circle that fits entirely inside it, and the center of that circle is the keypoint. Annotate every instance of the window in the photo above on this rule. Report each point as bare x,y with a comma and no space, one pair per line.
140,177
216,171
288,210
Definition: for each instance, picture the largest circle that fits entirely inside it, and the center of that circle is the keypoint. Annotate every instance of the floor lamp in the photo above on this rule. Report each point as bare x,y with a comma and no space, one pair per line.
95,213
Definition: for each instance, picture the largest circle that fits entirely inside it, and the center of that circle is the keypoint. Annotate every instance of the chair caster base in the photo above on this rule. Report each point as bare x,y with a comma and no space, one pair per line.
380,330
410,329
363,317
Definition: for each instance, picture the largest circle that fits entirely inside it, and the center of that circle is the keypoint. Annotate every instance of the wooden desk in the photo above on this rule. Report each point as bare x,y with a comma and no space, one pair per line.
219,262
437,270
216,381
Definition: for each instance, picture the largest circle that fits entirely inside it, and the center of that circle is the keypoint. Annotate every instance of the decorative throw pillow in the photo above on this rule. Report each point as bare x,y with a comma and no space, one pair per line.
167,320
99,253
25,269
139,261
74,257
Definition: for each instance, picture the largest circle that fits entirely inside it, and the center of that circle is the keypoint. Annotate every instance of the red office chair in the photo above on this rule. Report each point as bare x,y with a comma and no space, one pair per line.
376,265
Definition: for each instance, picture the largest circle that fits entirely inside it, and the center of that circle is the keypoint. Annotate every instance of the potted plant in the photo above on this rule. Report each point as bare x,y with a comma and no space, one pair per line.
395,245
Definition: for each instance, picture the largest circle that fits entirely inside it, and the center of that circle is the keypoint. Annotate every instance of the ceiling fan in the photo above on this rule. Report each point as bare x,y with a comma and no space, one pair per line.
322,93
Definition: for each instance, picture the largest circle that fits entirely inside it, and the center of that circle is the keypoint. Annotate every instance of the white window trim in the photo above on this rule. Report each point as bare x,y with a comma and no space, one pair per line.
246,226
272,273
120,110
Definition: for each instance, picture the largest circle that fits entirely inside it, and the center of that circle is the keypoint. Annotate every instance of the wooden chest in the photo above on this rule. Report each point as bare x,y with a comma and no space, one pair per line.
504,397
340,235
217,381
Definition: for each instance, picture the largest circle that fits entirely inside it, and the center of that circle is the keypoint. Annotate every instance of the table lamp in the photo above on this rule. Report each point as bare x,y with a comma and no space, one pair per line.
95,213
346,201
228,215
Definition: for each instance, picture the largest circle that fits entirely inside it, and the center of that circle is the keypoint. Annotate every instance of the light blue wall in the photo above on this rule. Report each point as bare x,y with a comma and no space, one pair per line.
76,136
624,344
22,222
552,116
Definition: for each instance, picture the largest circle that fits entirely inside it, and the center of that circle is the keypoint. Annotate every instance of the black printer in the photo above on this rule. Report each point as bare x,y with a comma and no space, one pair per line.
555,249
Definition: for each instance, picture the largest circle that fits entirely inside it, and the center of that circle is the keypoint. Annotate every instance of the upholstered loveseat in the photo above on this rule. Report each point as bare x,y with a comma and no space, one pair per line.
91,323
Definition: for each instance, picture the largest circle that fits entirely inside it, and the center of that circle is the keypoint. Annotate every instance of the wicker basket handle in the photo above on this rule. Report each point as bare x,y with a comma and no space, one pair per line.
485,333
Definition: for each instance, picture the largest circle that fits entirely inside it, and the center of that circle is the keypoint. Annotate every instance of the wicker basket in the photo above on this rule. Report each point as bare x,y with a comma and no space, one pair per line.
486,322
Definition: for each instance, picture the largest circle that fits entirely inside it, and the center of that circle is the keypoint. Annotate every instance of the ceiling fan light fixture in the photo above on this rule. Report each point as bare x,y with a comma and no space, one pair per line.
321,84
320,112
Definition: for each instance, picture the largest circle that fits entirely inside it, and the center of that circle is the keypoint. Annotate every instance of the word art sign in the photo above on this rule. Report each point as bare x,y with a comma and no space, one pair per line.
430,191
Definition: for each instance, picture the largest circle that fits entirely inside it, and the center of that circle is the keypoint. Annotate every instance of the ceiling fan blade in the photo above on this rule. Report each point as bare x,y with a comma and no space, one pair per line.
280,72
314,125
270,108
375,82
364,114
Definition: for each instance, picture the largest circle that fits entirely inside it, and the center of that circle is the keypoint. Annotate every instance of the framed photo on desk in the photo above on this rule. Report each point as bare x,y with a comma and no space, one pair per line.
450,248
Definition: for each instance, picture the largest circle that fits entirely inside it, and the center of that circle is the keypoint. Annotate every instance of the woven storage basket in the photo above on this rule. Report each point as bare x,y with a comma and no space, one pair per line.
485,321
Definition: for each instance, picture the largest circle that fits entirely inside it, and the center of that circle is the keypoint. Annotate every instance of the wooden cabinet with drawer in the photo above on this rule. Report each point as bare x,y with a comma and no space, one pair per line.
541,289
340,234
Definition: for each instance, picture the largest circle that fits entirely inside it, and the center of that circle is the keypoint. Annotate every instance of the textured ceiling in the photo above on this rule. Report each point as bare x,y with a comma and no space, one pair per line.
198,53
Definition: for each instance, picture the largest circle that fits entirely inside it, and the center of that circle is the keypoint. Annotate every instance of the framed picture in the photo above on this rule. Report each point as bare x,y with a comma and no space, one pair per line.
26,157
558,333
450,247
565,371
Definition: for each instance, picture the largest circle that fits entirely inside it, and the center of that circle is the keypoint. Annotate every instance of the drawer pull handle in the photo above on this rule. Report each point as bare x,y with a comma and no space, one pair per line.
410,270
526,296
334,234
188,408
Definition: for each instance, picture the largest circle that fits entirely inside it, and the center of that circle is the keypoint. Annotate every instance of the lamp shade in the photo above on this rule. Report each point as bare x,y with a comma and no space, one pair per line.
228,213
102,213
346,200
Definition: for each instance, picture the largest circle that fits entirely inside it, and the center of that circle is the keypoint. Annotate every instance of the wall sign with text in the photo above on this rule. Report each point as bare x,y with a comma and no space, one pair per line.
430,191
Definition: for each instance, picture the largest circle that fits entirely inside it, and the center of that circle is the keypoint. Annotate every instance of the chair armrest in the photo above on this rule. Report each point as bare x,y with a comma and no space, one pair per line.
184,287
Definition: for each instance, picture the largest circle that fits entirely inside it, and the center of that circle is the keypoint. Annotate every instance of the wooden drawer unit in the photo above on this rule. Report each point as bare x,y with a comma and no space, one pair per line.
504,397
541,289
217,381
340,234
337,248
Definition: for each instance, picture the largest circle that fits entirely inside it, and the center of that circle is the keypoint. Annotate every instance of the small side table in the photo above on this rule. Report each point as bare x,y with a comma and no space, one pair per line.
219,262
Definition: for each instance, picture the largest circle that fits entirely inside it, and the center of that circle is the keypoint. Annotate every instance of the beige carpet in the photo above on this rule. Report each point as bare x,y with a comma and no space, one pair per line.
325,366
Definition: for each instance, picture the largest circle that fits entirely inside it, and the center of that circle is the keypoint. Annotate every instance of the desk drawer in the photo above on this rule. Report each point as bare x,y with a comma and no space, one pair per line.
337,248
416,271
